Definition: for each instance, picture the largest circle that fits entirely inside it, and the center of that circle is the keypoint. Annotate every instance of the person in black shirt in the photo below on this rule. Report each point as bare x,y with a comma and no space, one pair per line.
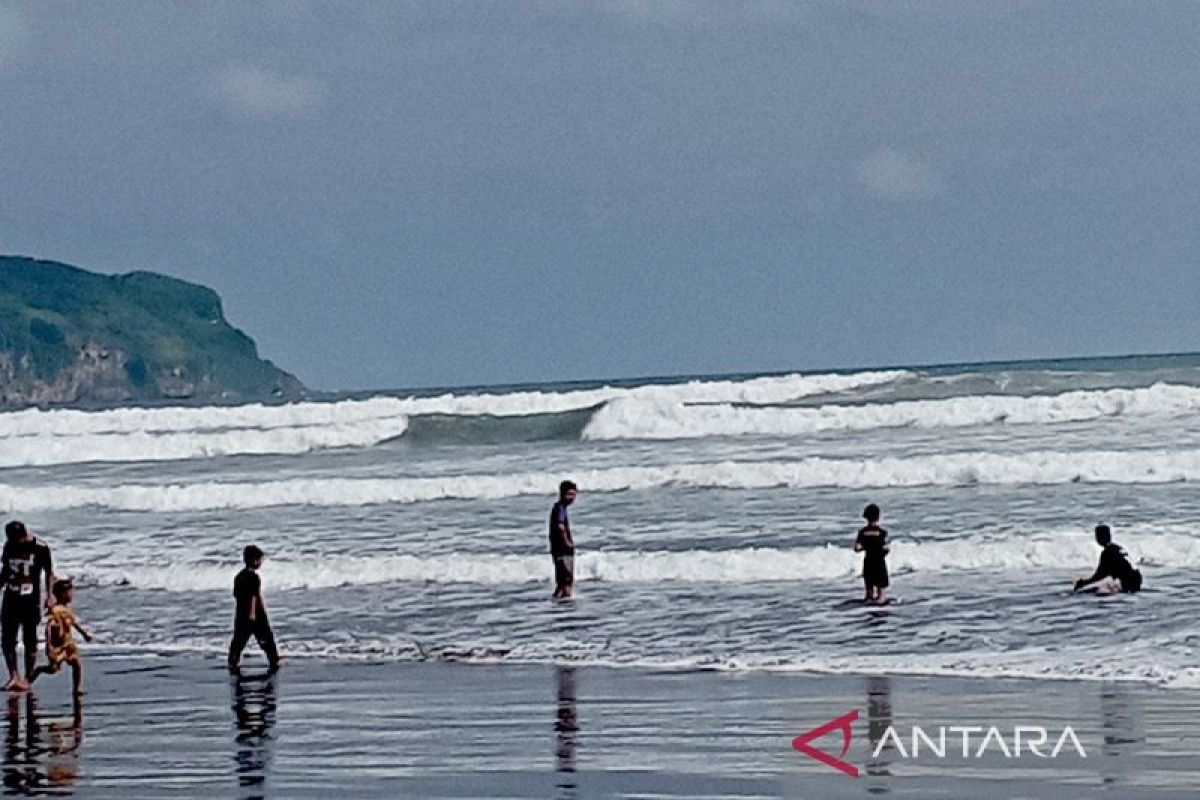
562,545
251,616
1114,564
872,542
24,564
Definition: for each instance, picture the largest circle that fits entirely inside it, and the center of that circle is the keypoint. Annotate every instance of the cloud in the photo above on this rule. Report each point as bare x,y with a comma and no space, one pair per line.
264,93
894,174
13,34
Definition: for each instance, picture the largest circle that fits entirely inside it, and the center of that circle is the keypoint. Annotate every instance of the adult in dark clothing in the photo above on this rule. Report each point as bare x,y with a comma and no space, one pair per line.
251,615
1114,565
24,564
872,542
562,544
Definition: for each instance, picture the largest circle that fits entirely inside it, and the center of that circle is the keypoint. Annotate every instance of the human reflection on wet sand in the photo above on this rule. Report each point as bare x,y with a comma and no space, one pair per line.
566,733
41,758
254,707
1121,727
879,719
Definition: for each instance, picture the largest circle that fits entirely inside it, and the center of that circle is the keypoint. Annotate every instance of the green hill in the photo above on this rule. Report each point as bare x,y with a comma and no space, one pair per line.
69,336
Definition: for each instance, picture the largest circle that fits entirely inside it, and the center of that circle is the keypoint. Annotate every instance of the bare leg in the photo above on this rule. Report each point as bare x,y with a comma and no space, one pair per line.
30,662
40,671
77,677
14,677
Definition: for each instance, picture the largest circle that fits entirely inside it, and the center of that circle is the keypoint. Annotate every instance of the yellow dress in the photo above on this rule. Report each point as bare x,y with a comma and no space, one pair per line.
60,636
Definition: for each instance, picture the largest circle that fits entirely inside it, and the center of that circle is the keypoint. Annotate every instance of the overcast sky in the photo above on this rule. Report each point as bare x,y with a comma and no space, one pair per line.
400,194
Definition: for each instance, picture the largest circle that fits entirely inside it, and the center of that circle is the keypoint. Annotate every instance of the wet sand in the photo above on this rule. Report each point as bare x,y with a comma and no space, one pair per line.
177,726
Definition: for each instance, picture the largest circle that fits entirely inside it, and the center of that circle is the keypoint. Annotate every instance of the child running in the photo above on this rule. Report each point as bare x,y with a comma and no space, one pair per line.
60,637
872,541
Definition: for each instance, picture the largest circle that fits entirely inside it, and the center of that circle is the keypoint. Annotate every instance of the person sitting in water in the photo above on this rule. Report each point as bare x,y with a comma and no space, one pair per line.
1114,567
872,540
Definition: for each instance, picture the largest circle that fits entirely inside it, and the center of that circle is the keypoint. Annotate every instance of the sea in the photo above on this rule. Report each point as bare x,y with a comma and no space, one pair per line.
714,523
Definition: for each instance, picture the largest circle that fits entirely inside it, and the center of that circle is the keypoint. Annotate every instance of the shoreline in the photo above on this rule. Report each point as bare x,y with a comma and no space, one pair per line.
216,655
178,726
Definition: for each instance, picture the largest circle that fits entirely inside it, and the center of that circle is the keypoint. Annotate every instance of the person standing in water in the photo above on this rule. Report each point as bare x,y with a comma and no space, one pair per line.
562,544
251,616
24,564
872,542
1114,566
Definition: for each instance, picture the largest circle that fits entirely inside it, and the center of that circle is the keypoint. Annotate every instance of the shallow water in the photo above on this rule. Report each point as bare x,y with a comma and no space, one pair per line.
713,526
179,727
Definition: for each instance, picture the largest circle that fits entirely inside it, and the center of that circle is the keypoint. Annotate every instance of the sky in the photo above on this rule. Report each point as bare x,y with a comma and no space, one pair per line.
404,194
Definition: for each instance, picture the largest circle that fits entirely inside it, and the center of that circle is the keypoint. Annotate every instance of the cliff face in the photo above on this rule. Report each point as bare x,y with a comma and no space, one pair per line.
68,336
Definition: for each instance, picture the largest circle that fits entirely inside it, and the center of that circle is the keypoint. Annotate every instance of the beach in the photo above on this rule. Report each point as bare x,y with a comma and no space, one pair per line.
179,726
717,614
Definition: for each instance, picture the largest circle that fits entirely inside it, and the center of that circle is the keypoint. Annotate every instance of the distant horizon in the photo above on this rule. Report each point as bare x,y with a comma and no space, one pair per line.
643,379
685,377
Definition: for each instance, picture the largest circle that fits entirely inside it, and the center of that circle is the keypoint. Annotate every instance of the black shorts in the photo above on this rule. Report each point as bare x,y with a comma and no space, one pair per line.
20,613
564,570
875,572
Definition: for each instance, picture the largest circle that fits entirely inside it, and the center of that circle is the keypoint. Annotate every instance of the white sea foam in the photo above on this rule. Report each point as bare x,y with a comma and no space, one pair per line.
36,438
746,565
141,446
663,418
956,469
698,409
176,419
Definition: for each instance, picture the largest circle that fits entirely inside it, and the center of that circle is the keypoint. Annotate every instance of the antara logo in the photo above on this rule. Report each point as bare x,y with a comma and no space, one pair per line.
976,742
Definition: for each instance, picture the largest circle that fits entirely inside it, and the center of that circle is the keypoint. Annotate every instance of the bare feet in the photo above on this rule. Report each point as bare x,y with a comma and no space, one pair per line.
16,685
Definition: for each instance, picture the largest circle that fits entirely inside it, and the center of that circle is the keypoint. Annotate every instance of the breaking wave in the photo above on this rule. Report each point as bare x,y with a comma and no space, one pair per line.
39,438
747,565
678,411
634,418
956,469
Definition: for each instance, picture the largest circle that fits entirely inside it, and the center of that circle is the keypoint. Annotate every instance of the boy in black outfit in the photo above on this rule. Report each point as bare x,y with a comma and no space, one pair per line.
251,616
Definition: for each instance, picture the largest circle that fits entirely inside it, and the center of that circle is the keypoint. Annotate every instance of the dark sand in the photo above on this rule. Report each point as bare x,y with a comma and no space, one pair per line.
160,727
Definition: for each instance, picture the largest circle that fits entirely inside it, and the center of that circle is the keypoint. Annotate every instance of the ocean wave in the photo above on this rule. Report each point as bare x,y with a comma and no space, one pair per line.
23,451
747,565
956,469
656,418
653,412
1146,665
41,438
438,429
179,419
65,422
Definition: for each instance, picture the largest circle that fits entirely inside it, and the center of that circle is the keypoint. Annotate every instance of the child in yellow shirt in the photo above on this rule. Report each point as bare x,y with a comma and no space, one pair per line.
60,637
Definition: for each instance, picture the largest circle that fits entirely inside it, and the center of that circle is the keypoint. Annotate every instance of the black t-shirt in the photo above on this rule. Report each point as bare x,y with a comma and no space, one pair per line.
560,545
23,568
1114,563
246,587
873,541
